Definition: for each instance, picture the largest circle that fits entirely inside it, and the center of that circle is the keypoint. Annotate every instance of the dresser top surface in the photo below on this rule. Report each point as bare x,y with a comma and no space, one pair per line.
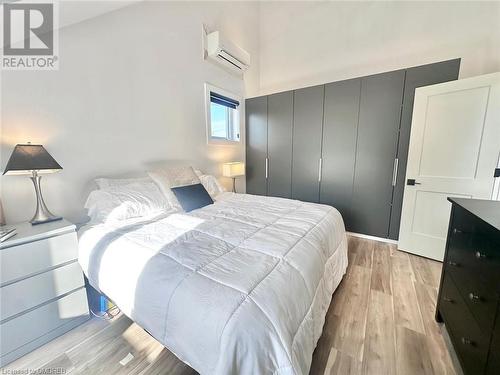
486,210
25,232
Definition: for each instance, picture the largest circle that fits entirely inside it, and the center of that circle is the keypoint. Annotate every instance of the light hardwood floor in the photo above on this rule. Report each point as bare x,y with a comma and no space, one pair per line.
380,321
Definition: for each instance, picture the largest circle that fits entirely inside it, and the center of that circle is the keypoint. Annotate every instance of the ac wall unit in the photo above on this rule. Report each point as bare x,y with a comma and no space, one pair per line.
224,52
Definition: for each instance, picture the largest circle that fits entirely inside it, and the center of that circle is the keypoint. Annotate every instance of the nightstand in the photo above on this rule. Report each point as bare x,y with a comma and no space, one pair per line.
42,289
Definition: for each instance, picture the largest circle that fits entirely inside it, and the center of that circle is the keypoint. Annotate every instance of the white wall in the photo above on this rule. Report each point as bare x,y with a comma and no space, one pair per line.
308,43
130,86
129,91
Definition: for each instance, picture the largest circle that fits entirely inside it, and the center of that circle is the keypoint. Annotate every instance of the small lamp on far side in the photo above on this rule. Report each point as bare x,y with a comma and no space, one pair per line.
33,160
233,170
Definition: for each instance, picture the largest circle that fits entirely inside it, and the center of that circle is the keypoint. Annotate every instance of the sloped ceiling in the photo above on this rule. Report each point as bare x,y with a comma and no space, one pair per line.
75,11
71,12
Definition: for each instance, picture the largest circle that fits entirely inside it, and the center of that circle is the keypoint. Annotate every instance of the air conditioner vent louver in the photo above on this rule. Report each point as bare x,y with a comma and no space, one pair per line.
229,61
226,53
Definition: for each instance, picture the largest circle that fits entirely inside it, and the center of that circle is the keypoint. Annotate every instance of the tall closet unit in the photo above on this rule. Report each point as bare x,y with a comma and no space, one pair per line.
257,169
376,152
306,149
340,131
343,143
279,141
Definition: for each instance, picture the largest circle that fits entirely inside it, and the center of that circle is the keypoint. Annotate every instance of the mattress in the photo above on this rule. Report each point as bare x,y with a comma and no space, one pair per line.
238,287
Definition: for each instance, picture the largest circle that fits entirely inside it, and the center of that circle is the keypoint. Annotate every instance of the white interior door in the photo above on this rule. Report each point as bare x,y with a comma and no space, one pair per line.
454,149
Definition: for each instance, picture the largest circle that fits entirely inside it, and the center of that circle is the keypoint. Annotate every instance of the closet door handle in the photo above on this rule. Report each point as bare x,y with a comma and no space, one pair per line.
320,166
267,168
395,171
480,255
467,341
474,297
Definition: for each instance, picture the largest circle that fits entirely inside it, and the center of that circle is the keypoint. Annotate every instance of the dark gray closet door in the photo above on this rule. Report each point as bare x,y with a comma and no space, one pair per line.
379,117
307,128
256,142
339,145
419,76
279,145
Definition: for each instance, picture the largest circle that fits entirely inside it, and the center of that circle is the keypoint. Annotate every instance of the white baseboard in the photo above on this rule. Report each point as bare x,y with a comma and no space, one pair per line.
387,240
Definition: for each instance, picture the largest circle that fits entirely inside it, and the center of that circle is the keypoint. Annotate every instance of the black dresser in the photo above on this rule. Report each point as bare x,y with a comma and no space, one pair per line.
469,292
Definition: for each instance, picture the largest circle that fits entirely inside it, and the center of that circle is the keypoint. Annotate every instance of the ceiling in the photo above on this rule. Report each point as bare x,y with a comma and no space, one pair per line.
71,12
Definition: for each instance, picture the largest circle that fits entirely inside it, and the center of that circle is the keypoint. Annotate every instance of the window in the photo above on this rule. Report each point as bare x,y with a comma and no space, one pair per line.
223,116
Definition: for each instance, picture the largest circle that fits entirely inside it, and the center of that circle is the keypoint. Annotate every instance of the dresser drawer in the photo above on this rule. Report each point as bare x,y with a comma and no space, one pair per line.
463,221
30,326
473,247
33,291
468,339
480,299
480,260
487,254
29,258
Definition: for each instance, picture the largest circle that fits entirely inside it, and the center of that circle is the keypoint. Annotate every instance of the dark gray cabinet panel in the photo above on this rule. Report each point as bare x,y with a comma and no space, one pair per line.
307,128
379,117
357,127
415,77
279,144
256,142
339,145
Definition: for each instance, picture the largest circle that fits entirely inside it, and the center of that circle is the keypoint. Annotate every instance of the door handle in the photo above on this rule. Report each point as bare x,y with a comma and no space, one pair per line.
467,341
412,182
395,171
480,255
267,168
474,297
320,166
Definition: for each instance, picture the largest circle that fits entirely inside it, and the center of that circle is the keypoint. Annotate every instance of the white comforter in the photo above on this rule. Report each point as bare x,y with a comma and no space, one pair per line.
238,287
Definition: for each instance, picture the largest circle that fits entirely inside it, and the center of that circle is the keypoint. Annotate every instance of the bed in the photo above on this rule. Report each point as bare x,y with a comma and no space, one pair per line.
241,286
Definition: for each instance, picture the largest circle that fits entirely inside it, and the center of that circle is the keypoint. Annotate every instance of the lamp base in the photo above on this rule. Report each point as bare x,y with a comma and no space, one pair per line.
47,220
42,213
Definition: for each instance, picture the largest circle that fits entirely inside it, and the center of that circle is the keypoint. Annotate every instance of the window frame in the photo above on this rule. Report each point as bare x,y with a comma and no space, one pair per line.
236,120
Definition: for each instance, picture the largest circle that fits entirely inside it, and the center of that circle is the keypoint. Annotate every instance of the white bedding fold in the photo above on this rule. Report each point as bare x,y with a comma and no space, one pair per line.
238,287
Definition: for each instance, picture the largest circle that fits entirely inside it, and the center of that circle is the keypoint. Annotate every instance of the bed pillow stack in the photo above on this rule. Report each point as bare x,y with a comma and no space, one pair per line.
169,178
182,188
210,183
120,201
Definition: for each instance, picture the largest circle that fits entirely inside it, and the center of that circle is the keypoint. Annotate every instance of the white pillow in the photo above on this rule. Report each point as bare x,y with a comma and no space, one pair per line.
211,185
108,182
174,177
123,202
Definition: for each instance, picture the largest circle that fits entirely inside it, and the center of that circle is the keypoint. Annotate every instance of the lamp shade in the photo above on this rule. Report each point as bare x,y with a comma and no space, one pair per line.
27,158
233,169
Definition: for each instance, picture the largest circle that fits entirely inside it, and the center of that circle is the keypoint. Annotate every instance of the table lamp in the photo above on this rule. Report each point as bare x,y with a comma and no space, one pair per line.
28,159
233,170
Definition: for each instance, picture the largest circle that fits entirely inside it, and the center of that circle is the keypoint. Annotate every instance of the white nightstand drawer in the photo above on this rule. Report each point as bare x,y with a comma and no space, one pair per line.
29,258
33,291
30,326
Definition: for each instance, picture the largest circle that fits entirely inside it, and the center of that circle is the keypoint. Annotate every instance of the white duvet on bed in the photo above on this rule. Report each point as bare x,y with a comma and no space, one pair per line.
238,287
